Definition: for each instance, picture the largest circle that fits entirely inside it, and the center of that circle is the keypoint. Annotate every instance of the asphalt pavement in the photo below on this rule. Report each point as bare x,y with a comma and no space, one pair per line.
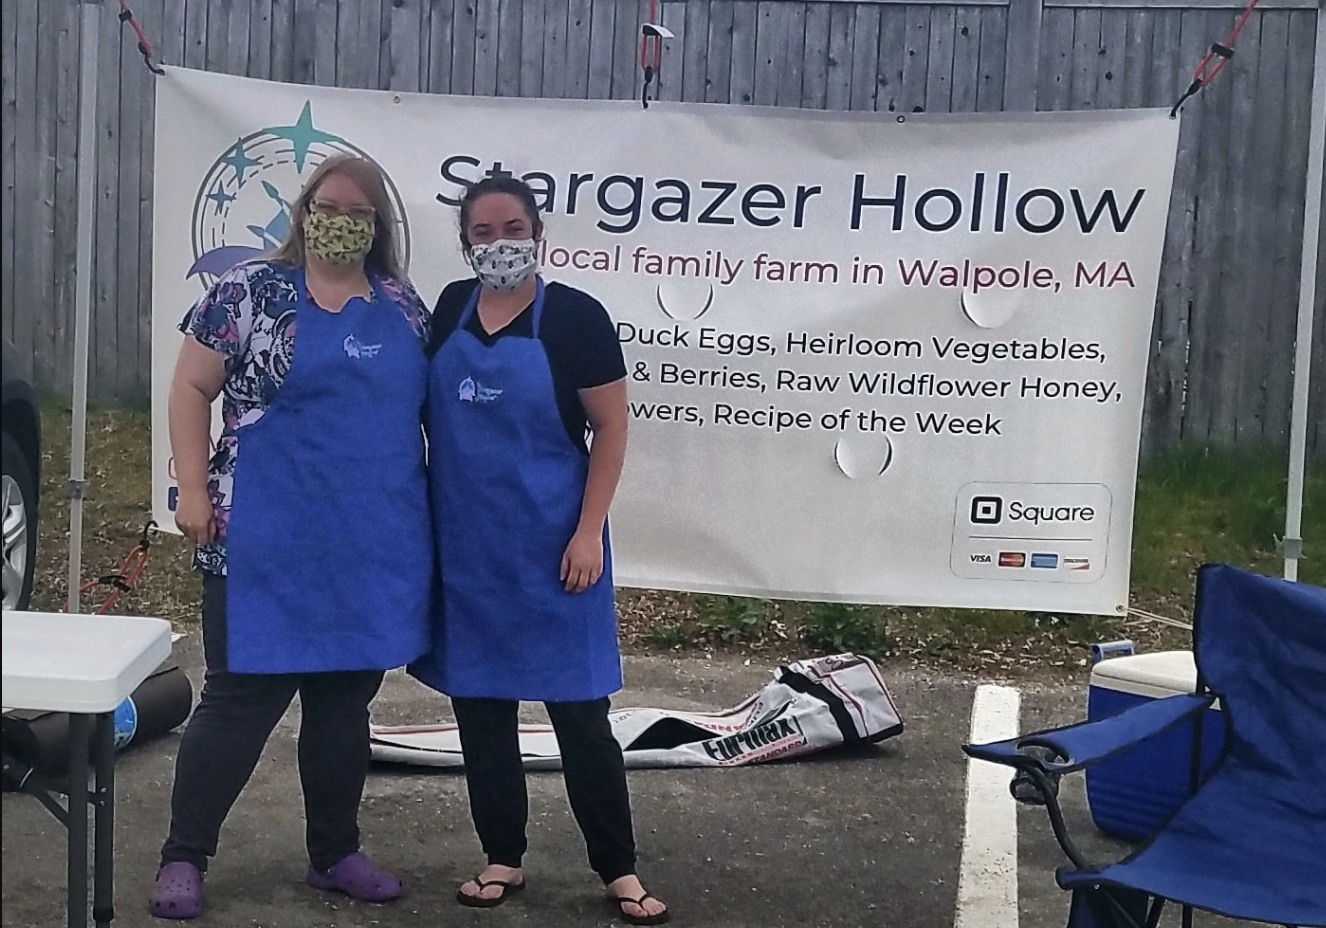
868,837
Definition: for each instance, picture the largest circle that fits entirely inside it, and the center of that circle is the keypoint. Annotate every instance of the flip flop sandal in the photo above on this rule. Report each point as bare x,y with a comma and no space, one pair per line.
481,902
630,919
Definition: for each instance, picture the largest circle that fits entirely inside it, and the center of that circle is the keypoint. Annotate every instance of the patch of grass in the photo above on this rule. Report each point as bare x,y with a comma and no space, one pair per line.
117,503
1195,506
733,619
668,637
839,627
1192,508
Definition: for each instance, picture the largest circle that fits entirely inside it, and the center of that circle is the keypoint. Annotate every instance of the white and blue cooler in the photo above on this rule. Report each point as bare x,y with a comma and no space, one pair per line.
1131,794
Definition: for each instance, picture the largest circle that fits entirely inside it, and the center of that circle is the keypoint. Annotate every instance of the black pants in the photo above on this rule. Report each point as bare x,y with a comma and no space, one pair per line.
592,765
230,726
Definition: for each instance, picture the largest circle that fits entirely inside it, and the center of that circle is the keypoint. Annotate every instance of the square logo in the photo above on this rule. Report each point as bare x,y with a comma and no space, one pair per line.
987,510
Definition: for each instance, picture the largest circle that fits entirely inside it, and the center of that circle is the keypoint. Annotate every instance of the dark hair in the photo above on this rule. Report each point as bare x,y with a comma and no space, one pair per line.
501,183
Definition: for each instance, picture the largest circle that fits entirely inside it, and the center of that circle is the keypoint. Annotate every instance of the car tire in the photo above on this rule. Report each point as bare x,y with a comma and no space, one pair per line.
18,509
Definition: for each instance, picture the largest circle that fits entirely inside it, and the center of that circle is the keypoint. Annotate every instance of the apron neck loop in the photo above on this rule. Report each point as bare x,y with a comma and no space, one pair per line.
472,306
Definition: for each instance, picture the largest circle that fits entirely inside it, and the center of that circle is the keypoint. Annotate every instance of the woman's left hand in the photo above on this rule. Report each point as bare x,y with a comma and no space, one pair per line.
582,562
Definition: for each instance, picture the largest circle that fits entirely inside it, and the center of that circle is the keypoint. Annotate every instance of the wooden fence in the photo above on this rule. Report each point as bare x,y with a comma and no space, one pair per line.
1222,358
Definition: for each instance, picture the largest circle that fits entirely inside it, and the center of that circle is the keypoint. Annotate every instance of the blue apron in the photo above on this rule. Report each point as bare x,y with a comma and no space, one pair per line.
328,554
506,484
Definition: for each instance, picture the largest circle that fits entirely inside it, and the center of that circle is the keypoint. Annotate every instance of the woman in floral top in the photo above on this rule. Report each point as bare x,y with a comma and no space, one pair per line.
312,544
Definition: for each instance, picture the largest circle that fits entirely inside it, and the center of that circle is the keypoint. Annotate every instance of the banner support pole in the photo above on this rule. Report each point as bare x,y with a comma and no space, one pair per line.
89,39
1291,547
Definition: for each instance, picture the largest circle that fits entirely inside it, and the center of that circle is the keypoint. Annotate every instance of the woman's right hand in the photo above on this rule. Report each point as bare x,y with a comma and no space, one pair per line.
195,518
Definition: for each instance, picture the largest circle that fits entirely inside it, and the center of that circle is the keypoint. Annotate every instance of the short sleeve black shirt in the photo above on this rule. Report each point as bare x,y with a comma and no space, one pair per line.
577,334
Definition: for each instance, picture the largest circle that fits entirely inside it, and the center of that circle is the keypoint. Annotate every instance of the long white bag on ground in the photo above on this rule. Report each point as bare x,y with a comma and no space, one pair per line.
809,706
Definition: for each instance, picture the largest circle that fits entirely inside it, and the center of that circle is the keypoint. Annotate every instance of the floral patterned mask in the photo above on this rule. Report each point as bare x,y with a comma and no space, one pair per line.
505,264
338,239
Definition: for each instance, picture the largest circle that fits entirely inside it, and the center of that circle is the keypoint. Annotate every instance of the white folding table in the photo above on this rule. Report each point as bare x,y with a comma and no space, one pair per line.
84,665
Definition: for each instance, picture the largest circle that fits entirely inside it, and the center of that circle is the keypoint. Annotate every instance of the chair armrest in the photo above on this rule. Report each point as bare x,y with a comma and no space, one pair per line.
1073,747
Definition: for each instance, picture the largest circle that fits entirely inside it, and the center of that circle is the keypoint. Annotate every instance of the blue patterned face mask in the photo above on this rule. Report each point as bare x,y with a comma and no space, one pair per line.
505,264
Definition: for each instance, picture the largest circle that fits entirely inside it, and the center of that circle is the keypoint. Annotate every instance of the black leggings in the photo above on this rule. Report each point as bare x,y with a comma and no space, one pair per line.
592,765
230,726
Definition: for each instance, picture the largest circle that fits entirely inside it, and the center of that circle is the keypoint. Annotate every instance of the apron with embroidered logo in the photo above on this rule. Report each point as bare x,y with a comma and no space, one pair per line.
328,552
506,484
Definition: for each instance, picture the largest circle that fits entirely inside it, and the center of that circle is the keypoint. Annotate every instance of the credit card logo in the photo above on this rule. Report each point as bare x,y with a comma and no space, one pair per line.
1012,559
1077,563
1044,561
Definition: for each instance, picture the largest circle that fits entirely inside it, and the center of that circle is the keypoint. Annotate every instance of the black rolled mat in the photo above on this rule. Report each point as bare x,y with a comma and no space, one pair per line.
39,741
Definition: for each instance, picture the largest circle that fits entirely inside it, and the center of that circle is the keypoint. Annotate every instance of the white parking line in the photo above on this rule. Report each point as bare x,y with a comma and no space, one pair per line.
988,878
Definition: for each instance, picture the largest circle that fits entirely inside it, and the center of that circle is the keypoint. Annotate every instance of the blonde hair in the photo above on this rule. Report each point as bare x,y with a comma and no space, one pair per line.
385,255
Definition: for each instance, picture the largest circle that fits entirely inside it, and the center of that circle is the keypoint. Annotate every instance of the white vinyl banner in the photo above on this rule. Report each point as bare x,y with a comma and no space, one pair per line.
871,358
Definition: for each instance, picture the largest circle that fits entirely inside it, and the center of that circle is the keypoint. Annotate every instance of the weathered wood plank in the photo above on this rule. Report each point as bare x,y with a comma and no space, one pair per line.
865,59
1167,367
842,31
555,27
39,211
1111,59
1195,5
9,117
1055,80
238,54
1284,240
217,53
990,95
130,298
718,61
25,160
1025,69
940,60
259,39
365,48
769,40
107,354
440,58
1137,57
326,27
1246,277
195,33
1086,53
694,78
815,67
304,40
151,14
1207,359
531,50
463,31
282,46
578,18
743,52
893,58
627,76
508,64
916,66
602,20
670,81
794,53
406,56
966,57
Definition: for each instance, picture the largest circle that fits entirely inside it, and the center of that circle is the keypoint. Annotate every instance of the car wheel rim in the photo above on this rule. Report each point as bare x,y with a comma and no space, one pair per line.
15,527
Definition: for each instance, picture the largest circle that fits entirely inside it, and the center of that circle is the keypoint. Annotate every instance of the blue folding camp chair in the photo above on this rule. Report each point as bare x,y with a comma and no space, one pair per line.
1250,841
